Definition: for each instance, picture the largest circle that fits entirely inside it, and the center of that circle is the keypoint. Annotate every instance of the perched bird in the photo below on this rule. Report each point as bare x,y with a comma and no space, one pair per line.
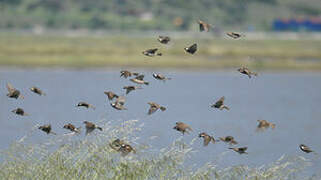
204,26
139,80
37,91
246,71
263,124
46,129
182,127
127,74
160,77
163,39
154,107
125,149
131,88
13,92
119,103
207,138
91,126
220,104
191,49
234,35
240,150
72,128
84,104
305,148
20,111
111,95
151,52
228,139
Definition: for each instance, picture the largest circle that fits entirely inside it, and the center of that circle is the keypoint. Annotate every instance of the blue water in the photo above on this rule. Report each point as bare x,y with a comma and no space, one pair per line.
291,100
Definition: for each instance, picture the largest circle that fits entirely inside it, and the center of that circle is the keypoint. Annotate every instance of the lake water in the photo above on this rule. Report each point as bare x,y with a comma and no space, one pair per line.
291,100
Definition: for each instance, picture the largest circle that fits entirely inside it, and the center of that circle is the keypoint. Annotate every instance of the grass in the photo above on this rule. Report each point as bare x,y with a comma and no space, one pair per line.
64,157
115,51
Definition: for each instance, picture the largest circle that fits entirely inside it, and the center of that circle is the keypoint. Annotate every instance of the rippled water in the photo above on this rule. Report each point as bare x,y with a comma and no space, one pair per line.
290,100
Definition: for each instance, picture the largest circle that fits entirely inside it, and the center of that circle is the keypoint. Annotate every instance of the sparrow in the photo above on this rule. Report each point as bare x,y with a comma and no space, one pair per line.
127,74
37,91
160,77
151,52
220,104
72,128
84,104
263,124
305,148
131,88
154,107
228,139
182,127
90,127
204,26
20,111
139,80
163,39
234,35
191,49
110,95
13,92
240,150
46,129
119,103
125,149
246,71
207,138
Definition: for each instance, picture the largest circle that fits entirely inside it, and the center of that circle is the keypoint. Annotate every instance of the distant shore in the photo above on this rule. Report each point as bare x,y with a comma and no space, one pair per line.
54,50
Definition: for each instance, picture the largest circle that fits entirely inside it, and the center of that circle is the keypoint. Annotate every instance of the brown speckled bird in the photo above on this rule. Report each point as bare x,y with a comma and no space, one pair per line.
305,148
163,39
47,129
151,52
154,107
111,95
131,88
119,103
139,80
160,77
191,49
228,139
72,128
207,138
20,111
90,127
234,35
263,124
204,26
37,91
116,144
246,71
13,92
86,105
220,104
127,74
240,150
182,127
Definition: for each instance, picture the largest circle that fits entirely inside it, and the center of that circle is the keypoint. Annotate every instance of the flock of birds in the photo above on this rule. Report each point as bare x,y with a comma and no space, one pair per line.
118,102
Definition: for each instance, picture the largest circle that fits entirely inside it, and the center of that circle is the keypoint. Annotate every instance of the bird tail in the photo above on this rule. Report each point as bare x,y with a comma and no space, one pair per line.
100,128
146,83
159,54
272,126
224,107
162,108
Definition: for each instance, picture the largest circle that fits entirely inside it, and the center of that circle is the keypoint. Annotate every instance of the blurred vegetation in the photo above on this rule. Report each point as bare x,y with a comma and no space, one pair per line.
150,14
121,51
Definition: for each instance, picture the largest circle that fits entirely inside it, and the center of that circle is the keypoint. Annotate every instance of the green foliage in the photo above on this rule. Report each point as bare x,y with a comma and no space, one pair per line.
143,14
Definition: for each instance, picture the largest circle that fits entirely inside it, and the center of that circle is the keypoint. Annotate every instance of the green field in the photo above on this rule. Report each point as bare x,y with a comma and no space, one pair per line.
121,51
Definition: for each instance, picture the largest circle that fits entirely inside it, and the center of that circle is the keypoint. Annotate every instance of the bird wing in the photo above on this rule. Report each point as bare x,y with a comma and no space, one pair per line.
193,48
207,140
10,88
152,50
140,77
152,109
